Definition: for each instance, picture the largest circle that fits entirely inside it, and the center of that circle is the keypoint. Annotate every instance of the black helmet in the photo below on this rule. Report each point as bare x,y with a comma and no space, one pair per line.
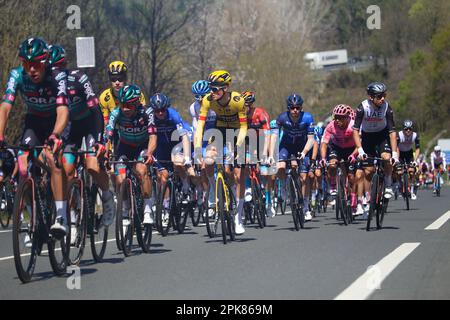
407,124
376,88
294,100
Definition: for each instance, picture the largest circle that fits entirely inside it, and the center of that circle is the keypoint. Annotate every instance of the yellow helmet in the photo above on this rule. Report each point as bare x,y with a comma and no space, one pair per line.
219,78
117,68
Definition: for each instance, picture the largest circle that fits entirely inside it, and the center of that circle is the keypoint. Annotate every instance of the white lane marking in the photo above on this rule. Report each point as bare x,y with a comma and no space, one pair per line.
439,222
371,280
5,231
46,251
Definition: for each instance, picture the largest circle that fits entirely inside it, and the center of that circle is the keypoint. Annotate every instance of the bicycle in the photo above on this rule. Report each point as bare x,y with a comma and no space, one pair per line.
130,211
82,201
378,203
294,191
225,208
343,200
322,197
257,206
405,188
33,214
437,183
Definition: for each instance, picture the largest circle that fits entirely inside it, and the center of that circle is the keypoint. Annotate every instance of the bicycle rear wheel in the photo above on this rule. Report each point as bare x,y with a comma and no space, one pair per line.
373,200
25,227
230,215
58,249
125,217
78,207
97,231
143,231
184,210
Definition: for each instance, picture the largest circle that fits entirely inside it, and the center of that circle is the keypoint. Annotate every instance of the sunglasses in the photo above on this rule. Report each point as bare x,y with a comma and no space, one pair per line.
340,118
131,105
215,89
33,64
407,129
379,96
117,78
162,110
198,97
295,108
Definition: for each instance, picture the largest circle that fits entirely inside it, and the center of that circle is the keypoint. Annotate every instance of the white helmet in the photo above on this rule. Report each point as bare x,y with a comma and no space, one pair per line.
437,148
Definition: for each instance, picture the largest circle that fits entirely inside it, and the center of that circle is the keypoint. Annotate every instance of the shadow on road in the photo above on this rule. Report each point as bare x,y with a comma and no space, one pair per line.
110,261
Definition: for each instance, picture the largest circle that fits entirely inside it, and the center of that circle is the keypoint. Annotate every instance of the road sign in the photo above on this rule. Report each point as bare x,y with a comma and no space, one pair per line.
85,52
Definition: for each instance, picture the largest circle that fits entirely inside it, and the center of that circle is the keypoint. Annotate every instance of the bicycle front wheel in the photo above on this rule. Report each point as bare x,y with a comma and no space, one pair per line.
292,192
125,216
25,232
164,209
405,188
373,200
78,209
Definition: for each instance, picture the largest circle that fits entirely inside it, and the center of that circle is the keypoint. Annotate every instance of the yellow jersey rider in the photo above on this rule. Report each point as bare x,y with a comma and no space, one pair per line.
117,72
230,114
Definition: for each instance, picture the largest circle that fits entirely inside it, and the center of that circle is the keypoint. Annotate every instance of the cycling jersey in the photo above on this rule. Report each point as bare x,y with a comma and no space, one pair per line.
165,127
295,133
109,102
82,98
341,138
42,99
437,159
371,119
194,111
405,143
259,119
231,116
132,131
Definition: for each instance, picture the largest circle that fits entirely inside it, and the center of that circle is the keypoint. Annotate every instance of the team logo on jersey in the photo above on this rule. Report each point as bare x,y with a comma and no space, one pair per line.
88,90
62,88
60,76
237,98
83,78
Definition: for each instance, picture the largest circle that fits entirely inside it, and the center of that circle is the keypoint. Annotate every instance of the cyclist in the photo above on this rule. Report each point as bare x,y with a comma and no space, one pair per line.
375,120
438,162
137,140
117,73
315,173
200,89
406,139
231,115
275,136
44,92
85,122
298,139
338,141
258,120
167,122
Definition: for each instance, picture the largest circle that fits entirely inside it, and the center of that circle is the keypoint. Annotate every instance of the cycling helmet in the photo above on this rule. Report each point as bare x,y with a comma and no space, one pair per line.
249,97
437,148
129,94
294,100
353,115
57,56
159,101
117,68
342,110
219,78
376,88
33,49
407,124
200,87
273,124
318,130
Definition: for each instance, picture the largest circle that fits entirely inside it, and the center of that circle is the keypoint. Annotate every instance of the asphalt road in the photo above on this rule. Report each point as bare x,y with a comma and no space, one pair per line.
326,260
